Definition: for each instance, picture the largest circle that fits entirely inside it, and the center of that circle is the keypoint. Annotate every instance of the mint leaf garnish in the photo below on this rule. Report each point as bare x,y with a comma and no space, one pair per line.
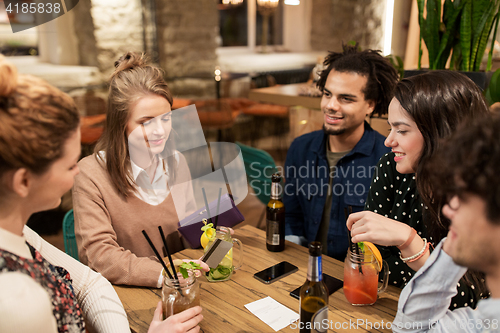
185,266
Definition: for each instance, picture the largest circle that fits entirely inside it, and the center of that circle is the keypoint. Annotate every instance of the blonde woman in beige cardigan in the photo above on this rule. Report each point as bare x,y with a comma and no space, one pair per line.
123,187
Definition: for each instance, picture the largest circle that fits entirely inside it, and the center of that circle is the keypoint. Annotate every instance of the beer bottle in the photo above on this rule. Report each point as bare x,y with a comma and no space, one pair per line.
275,217
313,294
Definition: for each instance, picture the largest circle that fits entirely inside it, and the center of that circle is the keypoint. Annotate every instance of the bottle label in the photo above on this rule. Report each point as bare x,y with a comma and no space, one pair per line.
314,269
318,319
273,232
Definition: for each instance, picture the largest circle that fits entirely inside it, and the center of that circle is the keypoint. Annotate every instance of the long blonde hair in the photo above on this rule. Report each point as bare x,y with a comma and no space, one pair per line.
132,79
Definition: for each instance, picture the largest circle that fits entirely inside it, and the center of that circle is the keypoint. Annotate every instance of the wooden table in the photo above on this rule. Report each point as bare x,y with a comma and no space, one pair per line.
223,302
287,94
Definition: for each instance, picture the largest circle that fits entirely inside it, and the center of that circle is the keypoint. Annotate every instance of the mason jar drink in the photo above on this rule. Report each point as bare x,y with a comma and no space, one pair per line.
225,269
361,272
180,295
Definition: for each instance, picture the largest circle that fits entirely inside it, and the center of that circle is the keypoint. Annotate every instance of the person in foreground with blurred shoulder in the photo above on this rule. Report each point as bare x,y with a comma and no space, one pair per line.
43,289
465,170
329,170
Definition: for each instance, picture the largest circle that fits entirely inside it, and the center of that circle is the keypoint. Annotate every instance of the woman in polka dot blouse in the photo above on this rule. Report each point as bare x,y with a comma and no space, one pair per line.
401,216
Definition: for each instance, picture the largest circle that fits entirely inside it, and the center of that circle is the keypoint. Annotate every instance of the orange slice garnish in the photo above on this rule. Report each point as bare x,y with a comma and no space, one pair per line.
370,247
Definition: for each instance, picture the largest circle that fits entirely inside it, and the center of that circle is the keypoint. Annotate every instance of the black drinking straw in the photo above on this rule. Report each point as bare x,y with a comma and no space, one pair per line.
168,252
351,245
217,213
163,262
157,254
206,204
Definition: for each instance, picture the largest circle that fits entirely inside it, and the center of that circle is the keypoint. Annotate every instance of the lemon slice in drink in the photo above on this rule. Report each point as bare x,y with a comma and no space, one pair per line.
371,248
207,235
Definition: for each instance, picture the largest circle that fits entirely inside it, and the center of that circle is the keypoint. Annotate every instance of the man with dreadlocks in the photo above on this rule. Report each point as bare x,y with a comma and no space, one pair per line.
327,171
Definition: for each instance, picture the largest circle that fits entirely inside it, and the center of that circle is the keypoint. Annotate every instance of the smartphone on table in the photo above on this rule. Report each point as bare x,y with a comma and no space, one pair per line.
332,284
276,272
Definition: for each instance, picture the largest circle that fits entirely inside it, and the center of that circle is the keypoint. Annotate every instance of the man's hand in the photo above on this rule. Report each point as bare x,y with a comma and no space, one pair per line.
186,321
375,228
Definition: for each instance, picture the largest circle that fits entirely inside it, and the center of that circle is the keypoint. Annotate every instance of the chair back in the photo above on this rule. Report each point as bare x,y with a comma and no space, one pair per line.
68,227
259,166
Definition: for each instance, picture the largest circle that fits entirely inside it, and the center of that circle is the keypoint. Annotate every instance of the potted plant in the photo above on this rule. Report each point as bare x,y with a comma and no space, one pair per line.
461,29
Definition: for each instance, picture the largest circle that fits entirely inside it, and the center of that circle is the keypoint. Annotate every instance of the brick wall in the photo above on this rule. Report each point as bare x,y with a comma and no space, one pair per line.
187,32
117,29
337,21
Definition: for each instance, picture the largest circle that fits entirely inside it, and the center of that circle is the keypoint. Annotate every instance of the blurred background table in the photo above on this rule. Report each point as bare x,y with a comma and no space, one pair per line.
223,302
286,94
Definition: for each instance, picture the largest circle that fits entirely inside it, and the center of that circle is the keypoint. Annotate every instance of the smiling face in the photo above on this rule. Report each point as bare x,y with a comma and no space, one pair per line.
343,103
149,126
472,238
405,139
49,187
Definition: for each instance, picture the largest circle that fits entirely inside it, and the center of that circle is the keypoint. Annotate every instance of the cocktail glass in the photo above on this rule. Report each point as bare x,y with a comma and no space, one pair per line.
179,295
361,278
225,269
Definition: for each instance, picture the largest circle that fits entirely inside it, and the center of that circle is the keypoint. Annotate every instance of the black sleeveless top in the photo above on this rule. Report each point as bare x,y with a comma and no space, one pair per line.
55,280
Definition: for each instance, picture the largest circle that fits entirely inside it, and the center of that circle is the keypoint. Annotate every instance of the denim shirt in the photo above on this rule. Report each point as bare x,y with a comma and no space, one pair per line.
306,186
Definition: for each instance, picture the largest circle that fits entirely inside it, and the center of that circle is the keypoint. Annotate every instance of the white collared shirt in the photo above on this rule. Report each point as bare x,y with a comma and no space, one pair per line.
155,192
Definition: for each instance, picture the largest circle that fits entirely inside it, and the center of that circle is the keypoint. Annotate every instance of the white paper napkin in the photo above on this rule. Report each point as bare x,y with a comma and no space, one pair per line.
272,313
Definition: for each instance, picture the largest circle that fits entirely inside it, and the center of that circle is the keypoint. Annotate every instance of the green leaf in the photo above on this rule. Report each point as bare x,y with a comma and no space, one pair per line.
493,90
433,22
487,95
479,7
421,23
186,266
456,57
465,35
486,25
184,272
478,33
451,20
493,39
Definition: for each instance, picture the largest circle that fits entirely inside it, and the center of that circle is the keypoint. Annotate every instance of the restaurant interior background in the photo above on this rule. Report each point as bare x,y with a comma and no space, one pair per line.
209,49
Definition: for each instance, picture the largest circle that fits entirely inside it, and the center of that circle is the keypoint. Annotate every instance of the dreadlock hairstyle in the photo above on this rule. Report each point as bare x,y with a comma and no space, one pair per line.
381,76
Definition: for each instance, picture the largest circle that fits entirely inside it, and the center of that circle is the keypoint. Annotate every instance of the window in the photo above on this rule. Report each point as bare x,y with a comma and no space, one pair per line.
23,42
241,25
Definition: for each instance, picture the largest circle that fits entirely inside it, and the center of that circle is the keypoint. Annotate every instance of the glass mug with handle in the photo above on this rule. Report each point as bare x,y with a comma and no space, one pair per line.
225,269
361,271
181,294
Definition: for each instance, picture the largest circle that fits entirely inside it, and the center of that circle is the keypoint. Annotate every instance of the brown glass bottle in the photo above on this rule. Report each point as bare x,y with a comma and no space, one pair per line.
313,294
275,217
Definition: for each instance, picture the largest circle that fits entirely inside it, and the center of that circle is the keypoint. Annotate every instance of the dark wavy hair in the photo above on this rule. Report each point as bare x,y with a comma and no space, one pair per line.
381,76
438,102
